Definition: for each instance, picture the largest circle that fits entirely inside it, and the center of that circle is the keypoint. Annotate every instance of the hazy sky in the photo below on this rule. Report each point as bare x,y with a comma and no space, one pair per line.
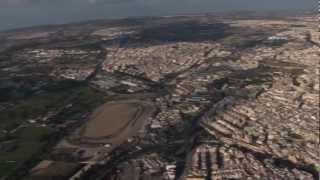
22,13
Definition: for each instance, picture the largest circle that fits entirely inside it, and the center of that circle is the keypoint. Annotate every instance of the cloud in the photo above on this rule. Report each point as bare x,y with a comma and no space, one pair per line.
109,1
235,4
14,3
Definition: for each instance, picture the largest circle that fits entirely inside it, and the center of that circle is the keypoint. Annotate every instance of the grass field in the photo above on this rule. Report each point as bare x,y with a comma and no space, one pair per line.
56,170
29,141
83,98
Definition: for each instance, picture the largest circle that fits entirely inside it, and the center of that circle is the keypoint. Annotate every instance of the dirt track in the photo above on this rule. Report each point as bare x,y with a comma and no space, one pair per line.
112,123
109,119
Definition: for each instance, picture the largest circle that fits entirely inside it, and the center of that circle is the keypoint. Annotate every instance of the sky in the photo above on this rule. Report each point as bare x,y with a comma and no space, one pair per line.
26,13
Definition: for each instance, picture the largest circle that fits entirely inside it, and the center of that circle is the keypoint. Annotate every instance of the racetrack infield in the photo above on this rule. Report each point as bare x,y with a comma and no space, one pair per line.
109,119
113,122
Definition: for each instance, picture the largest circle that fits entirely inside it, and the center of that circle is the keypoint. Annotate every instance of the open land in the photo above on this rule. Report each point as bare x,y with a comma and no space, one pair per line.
109,120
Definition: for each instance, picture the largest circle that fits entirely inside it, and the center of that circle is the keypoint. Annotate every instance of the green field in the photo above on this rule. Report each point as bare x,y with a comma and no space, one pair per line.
82,98
29,141
56,170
